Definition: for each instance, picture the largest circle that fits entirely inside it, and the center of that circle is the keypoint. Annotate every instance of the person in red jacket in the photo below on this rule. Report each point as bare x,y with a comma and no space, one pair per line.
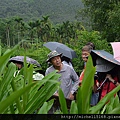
107,76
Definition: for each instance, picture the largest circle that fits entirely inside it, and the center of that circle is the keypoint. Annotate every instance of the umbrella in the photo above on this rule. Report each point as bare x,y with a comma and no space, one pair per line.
61,48
21,59
116,50
104,55
103,60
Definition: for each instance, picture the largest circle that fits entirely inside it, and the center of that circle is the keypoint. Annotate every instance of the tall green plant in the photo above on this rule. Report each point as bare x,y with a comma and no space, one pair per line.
20,94
82,103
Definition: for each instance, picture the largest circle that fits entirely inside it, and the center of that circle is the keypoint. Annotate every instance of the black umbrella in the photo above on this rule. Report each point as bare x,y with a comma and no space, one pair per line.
61,48
105,55
21,59
103,60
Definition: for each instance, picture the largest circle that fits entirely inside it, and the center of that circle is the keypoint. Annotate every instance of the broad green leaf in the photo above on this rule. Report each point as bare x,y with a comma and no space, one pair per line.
9,100
109,108
87,85
79,100
43,109
29,74
18,104
42,95
62,101
7,78
101,103
43,82
28,78
46,107
52,77
47,77
115,110
109,105
50,104
5,58
116,101
73,108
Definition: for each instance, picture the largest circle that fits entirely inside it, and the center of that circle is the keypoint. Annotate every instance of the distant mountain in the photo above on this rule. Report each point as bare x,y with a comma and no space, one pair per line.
58,10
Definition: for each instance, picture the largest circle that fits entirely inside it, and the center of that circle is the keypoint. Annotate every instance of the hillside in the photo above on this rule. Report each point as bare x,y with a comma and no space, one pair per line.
58,10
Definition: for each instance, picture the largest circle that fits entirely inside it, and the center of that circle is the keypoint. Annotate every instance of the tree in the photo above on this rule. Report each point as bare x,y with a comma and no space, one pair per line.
8,32
101,12
32,26
114,23
19,21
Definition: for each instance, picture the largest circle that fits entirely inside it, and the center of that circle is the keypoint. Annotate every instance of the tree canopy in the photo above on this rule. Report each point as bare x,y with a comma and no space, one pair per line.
58,10
105,17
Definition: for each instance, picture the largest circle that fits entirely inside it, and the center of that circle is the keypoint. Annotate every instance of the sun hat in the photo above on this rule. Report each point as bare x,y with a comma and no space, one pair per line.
103,65
52,54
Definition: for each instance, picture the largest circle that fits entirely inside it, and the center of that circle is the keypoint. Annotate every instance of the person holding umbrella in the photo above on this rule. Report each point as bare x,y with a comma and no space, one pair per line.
107,75
19,62
108,71
67,53
68,75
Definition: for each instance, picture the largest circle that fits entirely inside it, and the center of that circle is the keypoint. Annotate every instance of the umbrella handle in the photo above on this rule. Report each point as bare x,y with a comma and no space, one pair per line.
102,84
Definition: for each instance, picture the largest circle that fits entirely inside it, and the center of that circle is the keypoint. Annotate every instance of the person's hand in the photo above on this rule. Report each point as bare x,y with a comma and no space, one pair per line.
109,77
71,96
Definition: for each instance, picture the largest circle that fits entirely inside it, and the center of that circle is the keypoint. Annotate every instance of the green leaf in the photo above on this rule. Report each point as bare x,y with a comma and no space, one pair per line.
116,101
47,77
9,100
5,58
62,102
42,95
28,78
103,109
46,107
7,78
87,85
43,109
115,110
103,101
73,108
79,100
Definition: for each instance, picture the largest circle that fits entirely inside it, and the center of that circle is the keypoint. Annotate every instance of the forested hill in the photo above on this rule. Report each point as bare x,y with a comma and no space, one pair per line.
58,10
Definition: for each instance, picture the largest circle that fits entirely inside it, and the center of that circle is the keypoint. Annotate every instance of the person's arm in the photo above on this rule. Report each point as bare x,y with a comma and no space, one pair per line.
112,80
96,86
76,80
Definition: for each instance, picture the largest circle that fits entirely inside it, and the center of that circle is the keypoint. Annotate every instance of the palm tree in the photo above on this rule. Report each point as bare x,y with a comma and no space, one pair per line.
32,26
19,21
8,32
